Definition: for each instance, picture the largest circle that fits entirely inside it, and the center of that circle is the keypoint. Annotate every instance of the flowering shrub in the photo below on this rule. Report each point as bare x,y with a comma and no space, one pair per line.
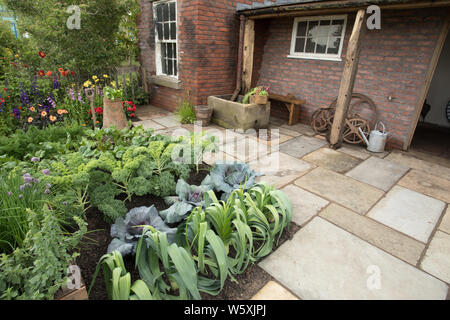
130,109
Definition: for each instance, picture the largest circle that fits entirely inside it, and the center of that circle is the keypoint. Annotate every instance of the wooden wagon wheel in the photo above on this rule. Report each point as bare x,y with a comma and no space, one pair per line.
322,119
351,131
365,104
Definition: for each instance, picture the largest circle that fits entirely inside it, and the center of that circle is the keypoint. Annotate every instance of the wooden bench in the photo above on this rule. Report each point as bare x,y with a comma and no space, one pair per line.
292,104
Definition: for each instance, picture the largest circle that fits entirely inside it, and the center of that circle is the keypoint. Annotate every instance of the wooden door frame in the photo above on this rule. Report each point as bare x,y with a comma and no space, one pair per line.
428,79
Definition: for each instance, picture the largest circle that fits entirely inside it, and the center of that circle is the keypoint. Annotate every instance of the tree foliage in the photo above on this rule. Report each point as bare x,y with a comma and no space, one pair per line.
99,43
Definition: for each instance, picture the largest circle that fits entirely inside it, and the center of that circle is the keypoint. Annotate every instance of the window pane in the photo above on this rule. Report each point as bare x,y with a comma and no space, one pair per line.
175,68
165,12
172,11
337,26
169,51
166,31
301,30
300,45
159,32
321,48
333,45
159,13
170,67
173,31
310,45
312,27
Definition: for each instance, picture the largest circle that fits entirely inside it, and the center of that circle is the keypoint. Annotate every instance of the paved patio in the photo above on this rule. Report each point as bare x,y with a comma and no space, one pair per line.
373,226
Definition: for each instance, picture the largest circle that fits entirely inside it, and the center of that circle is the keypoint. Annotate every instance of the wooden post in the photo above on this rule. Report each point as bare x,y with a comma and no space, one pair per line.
249,46
347,81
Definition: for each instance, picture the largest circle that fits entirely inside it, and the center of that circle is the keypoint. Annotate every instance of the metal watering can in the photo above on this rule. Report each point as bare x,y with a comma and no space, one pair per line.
377,139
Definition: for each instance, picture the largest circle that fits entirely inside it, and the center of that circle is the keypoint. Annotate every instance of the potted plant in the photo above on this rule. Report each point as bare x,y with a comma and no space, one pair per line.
203,114
258,95
113,113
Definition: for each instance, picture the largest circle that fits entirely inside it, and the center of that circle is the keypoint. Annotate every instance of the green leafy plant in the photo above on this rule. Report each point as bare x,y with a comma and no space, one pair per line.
112,93
127,232
188,198
118,280
261,91
36,270
186,113
227,177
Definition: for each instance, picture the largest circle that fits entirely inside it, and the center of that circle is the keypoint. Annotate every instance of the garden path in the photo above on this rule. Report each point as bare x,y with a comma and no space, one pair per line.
373,226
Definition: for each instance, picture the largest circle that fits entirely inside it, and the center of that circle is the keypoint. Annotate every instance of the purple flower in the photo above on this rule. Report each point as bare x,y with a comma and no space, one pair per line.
47,191
27,177
79,97
65,203
46,172
35,159
72,93
48,185
36,180
51,102
16,113
9,193
20,196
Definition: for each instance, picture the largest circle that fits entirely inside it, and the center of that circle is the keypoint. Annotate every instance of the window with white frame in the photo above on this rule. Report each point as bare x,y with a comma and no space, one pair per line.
165,15
318,37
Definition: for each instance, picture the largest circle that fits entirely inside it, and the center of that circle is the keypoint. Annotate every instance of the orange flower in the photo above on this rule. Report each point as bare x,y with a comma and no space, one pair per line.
32,109
30,119
60,111
64,73
43,114
61,70
49,74
52,118
41,73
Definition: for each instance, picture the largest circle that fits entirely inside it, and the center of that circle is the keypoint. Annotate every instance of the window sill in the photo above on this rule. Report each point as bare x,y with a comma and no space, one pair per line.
165,81
315,58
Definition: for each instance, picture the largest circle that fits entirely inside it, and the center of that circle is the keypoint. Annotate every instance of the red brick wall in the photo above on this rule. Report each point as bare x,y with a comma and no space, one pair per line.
394,61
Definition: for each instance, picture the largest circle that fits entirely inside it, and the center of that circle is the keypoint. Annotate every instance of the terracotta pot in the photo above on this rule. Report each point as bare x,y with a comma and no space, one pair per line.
113,114
257,99
203,114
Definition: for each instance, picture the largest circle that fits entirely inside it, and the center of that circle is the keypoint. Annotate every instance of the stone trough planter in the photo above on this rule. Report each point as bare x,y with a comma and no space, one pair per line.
236,115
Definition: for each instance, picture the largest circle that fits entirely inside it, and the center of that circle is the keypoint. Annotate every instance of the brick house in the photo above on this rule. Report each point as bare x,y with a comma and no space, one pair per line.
197,55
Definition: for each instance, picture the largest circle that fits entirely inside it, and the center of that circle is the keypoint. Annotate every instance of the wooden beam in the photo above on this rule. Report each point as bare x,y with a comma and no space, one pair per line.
249,48
348,80
428,79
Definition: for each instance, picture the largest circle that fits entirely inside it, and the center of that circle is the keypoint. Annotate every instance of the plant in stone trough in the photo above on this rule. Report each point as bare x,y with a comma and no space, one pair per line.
127,232
227,177
188,198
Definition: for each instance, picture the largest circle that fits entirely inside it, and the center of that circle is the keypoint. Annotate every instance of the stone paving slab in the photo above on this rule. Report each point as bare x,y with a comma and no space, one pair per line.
427,184
421,165
270,138
301,128
246,149
323,261
379,173
350,193
280,169
305,204
379,235
437,257
274,291
409,212
211,158
224,136
149,124
360,151
445,223
333,160
285,131
301,146
168,121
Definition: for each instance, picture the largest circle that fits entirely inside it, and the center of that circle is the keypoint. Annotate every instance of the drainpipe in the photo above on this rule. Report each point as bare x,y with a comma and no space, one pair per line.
239,62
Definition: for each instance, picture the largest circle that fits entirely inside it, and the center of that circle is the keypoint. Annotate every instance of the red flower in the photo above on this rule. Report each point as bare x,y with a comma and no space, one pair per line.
5,89
134,109
41,54
132,115
61,70
2,100
129,109
41,73
64,73
72,73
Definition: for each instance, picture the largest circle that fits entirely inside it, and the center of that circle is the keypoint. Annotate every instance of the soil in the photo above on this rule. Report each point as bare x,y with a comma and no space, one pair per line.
95,245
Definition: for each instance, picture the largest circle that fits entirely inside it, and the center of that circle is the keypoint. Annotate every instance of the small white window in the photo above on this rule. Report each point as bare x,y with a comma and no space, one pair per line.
318,37
165,15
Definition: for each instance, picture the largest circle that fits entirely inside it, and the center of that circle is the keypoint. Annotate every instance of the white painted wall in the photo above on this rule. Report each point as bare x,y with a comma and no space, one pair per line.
439,93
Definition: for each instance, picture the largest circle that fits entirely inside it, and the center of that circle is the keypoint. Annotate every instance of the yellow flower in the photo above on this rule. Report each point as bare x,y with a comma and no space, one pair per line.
105,76
43,114
8,51
32,109
113,84
17,56
97,80
52,118
87,84
30,119
94,77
